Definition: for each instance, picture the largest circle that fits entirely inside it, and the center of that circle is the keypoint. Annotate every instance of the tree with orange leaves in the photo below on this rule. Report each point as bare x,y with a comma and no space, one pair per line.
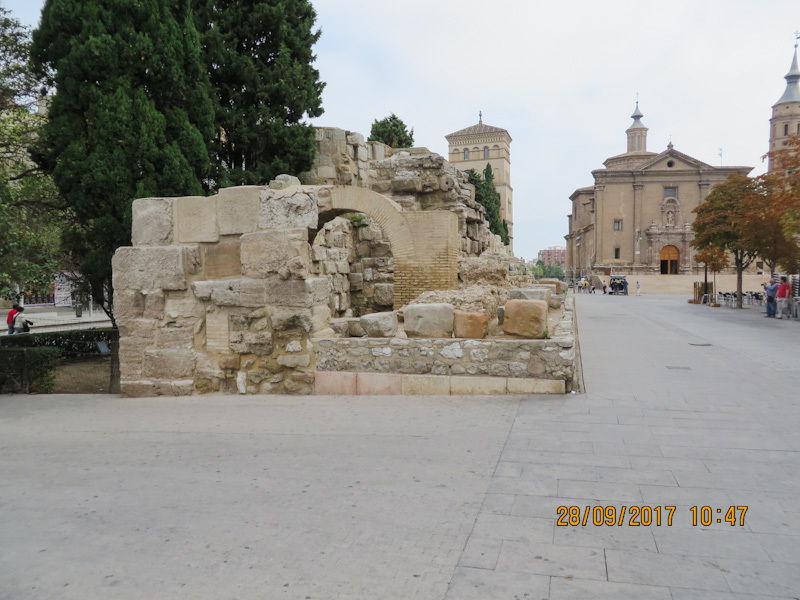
721,223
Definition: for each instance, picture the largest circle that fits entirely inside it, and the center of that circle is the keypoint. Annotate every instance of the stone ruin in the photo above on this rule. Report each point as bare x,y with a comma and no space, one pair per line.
261,289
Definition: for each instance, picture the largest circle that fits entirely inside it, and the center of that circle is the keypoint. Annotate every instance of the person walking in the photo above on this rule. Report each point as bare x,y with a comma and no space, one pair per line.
604,288
21,324
638,289
10,320
771,290
784,297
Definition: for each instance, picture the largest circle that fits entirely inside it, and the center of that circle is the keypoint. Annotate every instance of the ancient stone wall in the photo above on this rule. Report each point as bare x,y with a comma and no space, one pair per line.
547,364
415,178
220,293
366,283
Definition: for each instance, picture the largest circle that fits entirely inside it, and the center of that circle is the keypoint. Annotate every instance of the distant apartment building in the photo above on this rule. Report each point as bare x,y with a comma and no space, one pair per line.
554,255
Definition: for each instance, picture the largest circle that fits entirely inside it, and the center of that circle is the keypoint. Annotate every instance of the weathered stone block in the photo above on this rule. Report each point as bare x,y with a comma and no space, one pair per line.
251,342
379,384
560,285
470,324
321,321
239,292
295,292
141,329
426,385
148,268
176,308
178,336
526,318
285,252
294,360
203,289
277,211
429,320
237,209
556,300
169,364
128,304
355,329
482,386
384,294
380,325
283,181
223,260
196,219
152,222
535,386
137,388
335,384
286,318
538,293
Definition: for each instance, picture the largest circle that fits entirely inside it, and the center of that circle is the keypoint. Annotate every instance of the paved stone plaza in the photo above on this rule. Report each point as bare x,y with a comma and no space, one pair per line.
427,497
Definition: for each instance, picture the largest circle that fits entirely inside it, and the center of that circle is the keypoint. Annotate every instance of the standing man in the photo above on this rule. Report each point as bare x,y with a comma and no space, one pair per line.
638,289
771,290
10,320
784,296
625,286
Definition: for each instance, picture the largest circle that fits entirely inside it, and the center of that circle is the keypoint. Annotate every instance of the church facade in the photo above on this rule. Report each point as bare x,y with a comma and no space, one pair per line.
473,148
637,217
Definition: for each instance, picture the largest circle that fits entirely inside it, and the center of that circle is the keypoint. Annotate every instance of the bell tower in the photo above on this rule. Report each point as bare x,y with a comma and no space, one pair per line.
785,121
637,132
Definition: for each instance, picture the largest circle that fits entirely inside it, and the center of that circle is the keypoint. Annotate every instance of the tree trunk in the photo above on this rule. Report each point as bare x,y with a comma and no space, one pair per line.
739,272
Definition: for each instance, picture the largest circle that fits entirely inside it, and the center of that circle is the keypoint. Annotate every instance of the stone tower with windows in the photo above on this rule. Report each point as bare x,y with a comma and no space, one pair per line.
785,121
472,148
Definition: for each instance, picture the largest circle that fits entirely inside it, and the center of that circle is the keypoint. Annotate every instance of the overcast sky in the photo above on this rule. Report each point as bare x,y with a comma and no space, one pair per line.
561,77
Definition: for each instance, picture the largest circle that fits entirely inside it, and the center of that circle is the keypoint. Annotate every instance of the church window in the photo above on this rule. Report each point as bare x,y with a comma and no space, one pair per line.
616,252
786,129
670,192
670,163
638,142
617,224
486,152
466,153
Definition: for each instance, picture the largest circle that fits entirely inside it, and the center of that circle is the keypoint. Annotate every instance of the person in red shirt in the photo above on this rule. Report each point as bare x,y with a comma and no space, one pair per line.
784,297
10,320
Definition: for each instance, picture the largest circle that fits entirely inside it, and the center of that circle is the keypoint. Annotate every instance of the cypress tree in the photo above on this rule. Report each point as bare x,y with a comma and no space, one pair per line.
258,54
130,118
488,197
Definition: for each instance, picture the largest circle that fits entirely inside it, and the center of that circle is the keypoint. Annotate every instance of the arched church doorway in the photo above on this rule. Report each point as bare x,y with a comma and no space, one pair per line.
670,258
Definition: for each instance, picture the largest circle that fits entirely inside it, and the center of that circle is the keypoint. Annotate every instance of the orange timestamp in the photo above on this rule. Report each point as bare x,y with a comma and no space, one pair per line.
645,516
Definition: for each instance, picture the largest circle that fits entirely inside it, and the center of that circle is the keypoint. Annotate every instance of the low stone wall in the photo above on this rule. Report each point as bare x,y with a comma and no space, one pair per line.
507,359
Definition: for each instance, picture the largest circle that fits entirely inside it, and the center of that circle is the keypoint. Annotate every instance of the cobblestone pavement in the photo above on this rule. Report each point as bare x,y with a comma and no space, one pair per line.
406,497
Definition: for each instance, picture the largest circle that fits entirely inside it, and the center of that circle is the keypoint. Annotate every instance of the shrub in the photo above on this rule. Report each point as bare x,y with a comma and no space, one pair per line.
29,369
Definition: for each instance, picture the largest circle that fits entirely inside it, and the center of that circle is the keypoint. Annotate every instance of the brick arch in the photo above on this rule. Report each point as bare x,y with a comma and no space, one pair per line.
425,244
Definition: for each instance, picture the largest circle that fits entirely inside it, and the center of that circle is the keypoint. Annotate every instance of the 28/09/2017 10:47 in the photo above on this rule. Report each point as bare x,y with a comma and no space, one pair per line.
645,516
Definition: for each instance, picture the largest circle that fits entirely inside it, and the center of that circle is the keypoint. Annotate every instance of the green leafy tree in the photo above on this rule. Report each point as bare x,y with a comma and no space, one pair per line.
259,56
392,132
130,117
29,229
489,198
721,223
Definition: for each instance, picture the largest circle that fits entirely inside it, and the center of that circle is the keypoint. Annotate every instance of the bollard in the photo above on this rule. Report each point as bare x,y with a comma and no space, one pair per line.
78,310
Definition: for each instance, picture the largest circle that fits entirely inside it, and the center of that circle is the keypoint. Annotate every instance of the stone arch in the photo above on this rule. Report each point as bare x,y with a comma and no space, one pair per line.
425,244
